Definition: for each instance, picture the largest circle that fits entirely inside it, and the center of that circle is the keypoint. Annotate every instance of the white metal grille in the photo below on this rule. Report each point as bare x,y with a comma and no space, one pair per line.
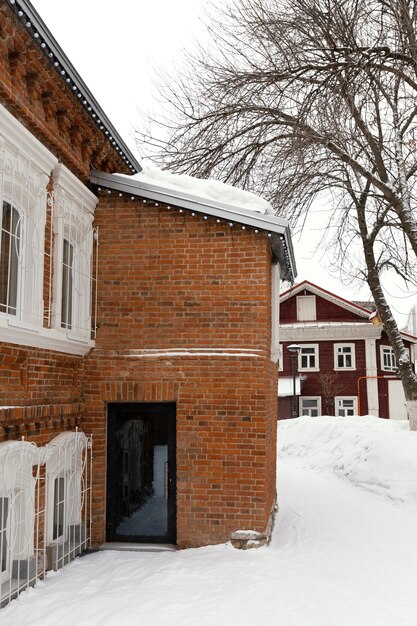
23,192
29,546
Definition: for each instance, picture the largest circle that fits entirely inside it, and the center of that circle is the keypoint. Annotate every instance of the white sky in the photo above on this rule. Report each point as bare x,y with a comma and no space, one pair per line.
116,46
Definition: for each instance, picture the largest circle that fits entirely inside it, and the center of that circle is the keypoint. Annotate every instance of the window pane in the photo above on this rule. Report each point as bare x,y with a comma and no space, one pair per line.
59,503
4,509
9,259
67,284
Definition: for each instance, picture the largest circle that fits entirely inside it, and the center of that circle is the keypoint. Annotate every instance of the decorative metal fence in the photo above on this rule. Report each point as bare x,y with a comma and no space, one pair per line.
45,508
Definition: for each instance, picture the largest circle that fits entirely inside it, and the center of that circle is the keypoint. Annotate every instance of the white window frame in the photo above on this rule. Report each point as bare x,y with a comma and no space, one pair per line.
341,399
305,304
336,355
316,367
391,356
26,167
73,221
301,402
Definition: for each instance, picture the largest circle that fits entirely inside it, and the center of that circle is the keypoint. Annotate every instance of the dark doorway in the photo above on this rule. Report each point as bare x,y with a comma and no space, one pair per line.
141,472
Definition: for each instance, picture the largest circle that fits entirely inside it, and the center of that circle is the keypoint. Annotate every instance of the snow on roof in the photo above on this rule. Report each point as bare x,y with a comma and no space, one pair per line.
208,189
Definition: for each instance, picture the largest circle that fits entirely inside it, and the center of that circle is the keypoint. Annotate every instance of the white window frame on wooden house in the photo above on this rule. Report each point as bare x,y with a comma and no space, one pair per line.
346,406
388,360
343,353
308,353
306,308
74,237
310,405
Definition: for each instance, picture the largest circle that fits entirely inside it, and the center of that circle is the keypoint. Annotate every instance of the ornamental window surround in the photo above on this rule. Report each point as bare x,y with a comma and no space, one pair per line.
74,244
25,167
46,246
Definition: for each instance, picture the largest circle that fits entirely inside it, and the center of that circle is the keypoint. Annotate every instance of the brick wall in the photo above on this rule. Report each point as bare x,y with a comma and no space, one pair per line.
171,281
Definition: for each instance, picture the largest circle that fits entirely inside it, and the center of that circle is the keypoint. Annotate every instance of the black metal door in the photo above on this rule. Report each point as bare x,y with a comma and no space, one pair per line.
141,472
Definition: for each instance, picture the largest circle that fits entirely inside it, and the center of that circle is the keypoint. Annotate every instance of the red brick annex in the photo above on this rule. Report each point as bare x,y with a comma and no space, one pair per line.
130,310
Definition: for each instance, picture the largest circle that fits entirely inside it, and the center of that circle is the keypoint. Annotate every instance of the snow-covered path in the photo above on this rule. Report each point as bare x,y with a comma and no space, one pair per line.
340,556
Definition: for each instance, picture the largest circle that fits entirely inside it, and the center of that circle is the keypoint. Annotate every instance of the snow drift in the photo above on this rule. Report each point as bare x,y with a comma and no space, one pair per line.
376,454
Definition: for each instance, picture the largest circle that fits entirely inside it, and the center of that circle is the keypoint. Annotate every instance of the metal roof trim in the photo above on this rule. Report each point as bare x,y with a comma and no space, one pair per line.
276,226
38,27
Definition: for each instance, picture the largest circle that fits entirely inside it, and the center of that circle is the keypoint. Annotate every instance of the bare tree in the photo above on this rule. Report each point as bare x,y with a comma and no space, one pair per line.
295,98
331,388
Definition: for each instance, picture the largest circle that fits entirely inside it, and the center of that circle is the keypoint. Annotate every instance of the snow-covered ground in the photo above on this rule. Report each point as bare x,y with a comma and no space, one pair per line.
344,550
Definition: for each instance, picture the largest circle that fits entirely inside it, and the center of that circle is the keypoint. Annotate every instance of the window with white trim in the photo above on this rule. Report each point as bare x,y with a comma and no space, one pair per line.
346,406
37,308
308,358
388,360
17,511
344,356
65,466
25,167
306,308
74,237
10,252
310,406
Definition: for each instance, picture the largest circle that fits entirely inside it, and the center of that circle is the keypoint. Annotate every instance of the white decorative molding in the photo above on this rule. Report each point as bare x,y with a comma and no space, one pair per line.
329,331
371,373
20,141
37,337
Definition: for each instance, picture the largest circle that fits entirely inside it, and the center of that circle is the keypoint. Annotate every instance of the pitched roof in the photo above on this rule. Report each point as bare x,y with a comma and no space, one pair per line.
354,307
327,295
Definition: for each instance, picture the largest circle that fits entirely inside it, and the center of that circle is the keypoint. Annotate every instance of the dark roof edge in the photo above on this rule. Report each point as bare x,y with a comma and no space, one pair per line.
40,33
278,229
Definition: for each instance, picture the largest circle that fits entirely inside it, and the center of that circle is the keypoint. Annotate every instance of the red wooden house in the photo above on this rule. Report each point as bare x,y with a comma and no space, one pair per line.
345,365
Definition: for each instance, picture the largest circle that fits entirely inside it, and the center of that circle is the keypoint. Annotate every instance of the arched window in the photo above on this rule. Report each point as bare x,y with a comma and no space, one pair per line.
10,250
18,563
67,460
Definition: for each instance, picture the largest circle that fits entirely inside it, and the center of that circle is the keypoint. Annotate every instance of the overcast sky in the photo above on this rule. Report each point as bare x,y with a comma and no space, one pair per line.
116,46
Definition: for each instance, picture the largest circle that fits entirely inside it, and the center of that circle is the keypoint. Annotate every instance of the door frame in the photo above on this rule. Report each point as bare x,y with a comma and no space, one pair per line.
148,408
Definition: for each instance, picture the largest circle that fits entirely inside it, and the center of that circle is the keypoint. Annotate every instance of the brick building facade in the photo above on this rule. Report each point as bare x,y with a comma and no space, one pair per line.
132,309
345,366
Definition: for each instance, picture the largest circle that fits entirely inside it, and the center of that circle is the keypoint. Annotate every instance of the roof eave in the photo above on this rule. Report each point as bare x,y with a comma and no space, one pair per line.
42,35
278,229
